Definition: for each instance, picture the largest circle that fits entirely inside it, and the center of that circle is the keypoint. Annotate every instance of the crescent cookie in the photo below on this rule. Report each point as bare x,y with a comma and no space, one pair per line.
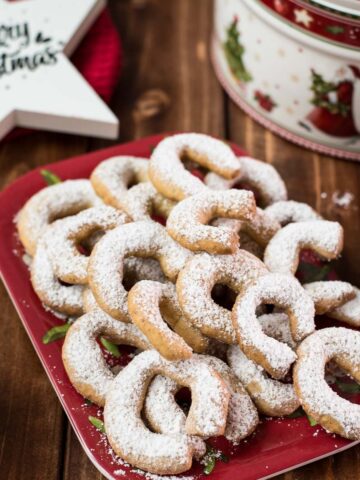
317,398
290,211
152,306
51,203
135,270
328,295
187,222
113,178
142,202
63,237
66,299
160,400
259,176
164,415
349,312
285,292
142,239
197,280
323,237
261,228
163,453
271,397
82,357
168,174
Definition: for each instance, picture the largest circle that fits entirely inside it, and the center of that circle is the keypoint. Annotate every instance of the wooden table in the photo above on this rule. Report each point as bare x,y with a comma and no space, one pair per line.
168,84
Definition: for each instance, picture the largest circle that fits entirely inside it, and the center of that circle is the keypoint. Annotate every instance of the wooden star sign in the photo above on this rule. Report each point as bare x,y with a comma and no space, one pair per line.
39,86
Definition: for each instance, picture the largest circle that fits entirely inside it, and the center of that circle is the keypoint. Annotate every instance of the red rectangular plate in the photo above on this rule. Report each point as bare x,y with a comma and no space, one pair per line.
277,445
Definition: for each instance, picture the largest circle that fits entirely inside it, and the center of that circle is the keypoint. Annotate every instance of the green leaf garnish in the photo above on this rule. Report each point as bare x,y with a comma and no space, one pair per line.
210,458
98,424
50,177
313,273
88,402
110,347
348,387
55,333
311,421
298,413
210,465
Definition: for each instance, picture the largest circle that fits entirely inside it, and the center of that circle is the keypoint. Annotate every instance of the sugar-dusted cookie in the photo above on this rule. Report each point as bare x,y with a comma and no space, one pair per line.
285,292
317,398
188,221
289,211
51,203
168,174
82,356
154,308
283,251
141,239
197,280
113,178
64,236
163,454
259,176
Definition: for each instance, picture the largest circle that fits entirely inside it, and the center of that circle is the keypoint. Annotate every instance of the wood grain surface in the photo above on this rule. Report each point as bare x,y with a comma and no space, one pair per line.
167,85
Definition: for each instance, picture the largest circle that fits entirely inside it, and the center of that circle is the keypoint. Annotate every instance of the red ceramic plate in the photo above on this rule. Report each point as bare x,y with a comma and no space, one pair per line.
276,446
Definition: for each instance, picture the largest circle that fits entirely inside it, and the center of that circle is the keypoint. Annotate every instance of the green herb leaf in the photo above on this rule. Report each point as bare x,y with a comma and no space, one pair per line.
311,421
210,465
88,402
50,177
110,347
99,424
224,458
55,333
298,413
348,387
313,273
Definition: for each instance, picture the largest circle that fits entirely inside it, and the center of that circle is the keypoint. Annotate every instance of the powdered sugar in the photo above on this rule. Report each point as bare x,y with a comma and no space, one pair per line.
162,453
259,175
143,200
270,396
83,360
290,211
317,398
145,239
328,295
169,176
285,292
282,253
349,312
197,280
111,178
65,299
49,204
64,235
187,221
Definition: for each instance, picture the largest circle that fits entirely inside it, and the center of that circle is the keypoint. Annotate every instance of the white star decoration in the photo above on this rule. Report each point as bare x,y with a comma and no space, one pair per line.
303,16
39,86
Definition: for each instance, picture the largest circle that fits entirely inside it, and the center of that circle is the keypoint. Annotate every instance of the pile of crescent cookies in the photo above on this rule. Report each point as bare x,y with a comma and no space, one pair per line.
99,255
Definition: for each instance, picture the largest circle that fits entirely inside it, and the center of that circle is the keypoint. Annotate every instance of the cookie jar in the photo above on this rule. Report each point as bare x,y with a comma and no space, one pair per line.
294,66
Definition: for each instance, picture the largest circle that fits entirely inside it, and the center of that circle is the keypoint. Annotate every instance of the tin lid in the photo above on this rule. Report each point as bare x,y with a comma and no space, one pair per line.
348,7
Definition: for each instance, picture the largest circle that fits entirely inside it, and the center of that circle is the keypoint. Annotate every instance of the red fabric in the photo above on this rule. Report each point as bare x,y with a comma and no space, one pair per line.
98,58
